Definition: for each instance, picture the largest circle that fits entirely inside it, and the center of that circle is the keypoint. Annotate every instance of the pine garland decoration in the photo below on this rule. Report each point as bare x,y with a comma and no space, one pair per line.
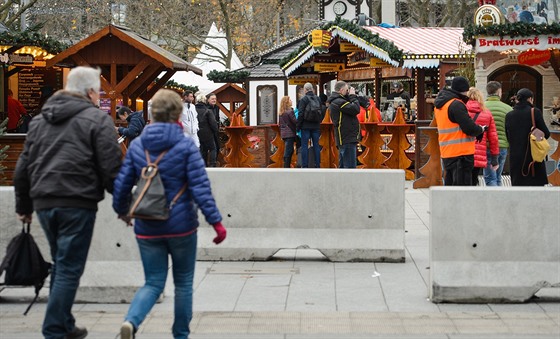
228,76
31,37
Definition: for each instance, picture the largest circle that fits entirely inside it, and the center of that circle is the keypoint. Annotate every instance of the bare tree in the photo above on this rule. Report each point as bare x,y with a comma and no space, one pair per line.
11,12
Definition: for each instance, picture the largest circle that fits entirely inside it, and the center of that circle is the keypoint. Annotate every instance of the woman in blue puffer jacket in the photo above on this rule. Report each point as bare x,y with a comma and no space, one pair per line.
182,164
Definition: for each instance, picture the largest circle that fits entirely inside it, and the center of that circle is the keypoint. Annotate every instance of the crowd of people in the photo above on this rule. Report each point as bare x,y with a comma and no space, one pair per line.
476,135
71,157
199,119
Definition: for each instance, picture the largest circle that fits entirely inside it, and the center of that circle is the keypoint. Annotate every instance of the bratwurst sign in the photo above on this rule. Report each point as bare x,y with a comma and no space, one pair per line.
542,42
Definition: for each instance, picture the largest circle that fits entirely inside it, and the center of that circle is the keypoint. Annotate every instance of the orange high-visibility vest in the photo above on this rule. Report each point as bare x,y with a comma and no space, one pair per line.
453,142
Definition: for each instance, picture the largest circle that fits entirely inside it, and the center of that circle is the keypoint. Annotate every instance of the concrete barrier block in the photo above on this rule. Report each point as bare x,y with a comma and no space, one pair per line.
493,244
348,215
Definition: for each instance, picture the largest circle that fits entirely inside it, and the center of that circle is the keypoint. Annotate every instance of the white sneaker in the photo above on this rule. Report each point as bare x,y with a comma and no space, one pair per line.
127,330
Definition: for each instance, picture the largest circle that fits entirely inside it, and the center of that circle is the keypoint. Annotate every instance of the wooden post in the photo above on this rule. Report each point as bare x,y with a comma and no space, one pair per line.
238,143
372,156
399,144
329,152
432,169
277,158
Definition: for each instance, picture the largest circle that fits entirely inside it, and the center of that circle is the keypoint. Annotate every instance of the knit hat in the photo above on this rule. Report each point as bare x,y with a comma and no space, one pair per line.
460,84
524,94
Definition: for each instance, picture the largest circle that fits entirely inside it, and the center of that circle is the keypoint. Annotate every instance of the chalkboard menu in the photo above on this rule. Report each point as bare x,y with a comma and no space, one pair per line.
33,81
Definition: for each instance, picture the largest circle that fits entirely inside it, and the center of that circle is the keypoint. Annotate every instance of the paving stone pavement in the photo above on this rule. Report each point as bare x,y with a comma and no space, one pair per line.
299,295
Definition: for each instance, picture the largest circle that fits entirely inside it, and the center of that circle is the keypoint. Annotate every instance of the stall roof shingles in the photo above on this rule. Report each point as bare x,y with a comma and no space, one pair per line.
267,71
425,40
269,67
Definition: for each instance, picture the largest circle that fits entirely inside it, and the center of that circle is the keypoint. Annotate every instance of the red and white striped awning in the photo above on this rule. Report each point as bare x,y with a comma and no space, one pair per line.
425,46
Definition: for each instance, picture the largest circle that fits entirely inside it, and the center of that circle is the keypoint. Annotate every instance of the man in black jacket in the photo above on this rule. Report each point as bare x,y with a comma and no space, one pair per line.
70,157
344,106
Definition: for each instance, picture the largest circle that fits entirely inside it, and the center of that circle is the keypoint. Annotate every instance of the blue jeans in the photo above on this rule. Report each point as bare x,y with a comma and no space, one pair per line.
314,135
154,253
347,156
69,232
494,178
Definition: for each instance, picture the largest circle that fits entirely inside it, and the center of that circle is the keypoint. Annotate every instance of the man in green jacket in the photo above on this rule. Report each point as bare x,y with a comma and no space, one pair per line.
499,111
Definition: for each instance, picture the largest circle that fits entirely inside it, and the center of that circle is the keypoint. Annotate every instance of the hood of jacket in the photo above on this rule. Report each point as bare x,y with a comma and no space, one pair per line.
474,106
138,114
447,94
336,95
64,105
160,136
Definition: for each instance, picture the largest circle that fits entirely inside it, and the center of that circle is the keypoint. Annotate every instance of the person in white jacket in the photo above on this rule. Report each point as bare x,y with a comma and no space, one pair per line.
188,118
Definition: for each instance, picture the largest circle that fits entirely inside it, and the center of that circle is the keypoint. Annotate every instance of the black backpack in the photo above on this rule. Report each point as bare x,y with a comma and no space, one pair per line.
24,264
313,112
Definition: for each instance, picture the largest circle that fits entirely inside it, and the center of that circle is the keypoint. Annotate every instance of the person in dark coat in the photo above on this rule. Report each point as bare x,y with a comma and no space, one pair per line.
211,104
70,158
135,121
207,132
287,122
345,107
518,127
181,166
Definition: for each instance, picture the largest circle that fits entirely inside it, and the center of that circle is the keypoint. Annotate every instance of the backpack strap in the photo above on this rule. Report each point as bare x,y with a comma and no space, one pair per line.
177,196
531,166
158,159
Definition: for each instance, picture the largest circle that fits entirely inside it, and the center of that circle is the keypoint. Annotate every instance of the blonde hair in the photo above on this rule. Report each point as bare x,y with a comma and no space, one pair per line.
476,95
166,106
285,104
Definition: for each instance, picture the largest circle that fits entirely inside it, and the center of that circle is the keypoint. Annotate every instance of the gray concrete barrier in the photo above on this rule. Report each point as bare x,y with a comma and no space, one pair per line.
493,244
348,215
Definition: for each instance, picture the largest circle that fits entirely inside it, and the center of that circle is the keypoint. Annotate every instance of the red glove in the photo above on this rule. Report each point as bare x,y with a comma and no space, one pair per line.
220,231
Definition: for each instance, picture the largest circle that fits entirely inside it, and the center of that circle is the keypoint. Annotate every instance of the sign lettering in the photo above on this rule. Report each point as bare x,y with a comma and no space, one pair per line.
541,42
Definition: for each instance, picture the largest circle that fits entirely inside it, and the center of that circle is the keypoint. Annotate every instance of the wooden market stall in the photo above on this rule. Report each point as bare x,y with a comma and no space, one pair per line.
130,65
132,68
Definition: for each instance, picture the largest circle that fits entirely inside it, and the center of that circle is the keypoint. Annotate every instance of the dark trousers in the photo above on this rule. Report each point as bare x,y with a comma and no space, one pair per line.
288,151
475,173
458,170
209,153
69,232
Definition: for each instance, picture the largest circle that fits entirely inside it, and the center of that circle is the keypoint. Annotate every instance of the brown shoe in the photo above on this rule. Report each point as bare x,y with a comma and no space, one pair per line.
77,333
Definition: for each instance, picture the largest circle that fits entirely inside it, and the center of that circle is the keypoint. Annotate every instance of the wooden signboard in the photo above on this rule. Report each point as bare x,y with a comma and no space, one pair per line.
30,83
329,67
347,47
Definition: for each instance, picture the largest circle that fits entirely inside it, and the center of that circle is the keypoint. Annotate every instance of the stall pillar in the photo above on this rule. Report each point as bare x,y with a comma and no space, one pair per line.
399,144
372,156
238,143
432,169
329,152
